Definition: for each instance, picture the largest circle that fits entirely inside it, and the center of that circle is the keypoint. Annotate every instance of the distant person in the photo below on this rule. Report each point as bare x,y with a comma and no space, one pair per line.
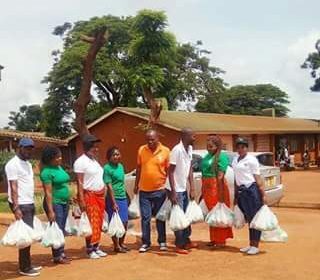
180,174
214,186
19,174
56,183
152,170
91,192
306,159
116,199
249,191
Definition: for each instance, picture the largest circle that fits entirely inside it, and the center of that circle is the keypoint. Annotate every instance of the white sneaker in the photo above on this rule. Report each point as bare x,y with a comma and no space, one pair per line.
144,248
163,247
94,256
101,254
245,249
253,251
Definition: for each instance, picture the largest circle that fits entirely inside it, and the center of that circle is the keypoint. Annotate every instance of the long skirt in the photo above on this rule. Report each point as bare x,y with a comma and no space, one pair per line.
210,196
95,204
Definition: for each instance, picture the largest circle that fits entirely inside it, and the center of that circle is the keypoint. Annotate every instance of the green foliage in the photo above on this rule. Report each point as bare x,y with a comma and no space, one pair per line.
313,64
28,118
140,53
4,158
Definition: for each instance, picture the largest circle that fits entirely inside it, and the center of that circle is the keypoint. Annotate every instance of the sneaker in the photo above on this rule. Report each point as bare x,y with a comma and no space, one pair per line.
31,273
37,267
163,247
101,254
144,248
245,249
253,251
61,261
94,256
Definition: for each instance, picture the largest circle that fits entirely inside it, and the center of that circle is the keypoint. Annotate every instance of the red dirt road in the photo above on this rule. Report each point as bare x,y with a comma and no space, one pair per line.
297,259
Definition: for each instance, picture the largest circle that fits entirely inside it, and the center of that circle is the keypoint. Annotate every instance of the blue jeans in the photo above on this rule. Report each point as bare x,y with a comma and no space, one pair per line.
28,212
150,203
61,211
250,202
183,236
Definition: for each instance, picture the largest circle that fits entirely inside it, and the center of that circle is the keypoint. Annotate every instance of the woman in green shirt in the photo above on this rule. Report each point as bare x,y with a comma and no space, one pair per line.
116,200
55,182
214,186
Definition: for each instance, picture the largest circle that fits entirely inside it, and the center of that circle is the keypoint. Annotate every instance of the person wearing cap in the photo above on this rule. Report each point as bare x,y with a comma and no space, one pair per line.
20,179
249,191
91,192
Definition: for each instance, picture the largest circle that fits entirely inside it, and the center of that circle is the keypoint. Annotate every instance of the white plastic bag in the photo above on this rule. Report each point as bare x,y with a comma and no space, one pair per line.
164,211
71,227
134,207
277,235
116,227
204,208
19,234
264,220
53,236
178,220
194,212
105,224
239,219
38,230
220,216
85,229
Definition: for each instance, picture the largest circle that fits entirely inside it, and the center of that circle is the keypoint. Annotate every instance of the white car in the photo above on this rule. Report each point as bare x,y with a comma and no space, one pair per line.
273,187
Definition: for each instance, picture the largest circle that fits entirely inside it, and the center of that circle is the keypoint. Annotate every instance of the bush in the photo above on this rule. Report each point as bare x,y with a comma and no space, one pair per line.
4,158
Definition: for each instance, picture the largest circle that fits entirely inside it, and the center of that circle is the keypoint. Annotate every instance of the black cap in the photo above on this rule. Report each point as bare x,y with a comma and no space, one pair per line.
242,141
89,138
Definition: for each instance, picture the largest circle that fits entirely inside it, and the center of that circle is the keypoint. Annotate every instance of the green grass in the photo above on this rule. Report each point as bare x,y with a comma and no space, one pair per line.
4,206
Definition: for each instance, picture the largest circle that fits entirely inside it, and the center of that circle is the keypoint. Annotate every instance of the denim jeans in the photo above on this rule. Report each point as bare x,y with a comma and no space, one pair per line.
150,203
250,202
28,212
61,211
183,236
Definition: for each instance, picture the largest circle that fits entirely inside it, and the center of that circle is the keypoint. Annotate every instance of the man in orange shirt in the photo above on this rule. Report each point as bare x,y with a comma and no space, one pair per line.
152,169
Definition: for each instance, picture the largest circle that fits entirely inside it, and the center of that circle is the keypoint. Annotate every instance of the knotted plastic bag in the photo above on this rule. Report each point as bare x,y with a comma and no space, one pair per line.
264,220
178,220
19,234
38,229
277,235
194,212
204,208
53,236
239,219
134,207
105,224
164,211
71,227
85,229
220,216
116,227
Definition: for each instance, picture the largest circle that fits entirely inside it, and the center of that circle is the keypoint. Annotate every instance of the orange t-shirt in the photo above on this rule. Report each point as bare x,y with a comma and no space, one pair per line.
154,167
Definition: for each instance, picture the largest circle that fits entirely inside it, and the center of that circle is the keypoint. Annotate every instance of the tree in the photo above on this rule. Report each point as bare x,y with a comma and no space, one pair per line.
313,64
28,118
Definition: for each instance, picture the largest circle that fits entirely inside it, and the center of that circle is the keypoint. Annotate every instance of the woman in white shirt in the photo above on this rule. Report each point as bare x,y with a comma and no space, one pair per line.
249,192
91,192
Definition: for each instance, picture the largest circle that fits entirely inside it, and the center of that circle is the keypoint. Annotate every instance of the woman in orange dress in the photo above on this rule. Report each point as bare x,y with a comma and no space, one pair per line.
214,186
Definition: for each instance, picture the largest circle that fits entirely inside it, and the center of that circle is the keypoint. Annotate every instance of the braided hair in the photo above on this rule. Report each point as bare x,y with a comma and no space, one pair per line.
216,140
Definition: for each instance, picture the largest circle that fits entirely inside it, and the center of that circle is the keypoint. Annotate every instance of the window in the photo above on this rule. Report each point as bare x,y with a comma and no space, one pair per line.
309,142
294,144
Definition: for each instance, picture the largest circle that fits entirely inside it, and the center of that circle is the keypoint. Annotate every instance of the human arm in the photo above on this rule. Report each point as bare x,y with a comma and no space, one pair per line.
191,183
220,183
260,184
173,194
137,181
112,198
255,169
80,191
14,197
47,188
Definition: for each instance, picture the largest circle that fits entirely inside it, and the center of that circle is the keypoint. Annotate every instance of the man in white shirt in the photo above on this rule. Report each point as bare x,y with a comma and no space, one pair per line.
19,175
180,174
91,192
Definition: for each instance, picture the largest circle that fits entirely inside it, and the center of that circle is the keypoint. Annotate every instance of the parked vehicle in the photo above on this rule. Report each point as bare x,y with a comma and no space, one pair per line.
271,174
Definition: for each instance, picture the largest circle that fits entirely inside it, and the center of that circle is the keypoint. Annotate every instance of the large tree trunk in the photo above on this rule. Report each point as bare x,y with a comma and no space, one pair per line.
84,98
154,105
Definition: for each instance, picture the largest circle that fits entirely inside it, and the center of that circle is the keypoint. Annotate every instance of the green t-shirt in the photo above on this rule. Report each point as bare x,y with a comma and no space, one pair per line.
207,162
114,175
59,181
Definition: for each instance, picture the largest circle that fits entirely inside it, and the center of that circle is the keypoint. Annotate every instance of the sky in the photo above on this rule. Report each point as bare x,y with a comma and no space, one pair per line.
253,41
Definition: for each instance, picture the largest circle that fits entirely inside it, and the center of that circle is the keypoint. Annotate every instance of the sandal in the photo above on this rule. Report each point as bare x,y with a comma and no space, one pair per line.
120,250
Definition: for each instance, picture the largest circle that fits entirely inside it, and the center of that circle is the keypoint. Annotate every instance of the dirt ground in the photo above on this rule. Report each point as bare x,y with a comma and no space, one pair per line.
297,259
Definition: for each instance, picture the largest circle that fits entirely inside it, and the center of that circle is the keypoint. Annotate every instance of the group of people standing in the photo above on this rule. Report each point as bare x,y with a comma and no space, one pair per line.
101,189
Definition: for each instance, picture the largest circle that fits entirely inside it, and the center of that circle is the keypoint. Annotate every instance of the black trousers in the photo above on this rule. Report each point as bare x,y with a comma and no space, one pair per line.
28,212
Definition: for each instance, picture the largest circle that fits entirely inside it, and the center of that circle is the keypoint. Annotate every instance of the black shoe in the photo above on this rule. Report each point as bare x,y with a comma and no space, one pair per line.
31,272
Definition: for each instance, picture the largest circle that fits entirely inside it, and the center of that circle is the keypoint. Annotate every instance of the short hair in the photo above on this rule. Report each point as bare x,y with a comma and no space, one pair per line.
111,151
49,153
